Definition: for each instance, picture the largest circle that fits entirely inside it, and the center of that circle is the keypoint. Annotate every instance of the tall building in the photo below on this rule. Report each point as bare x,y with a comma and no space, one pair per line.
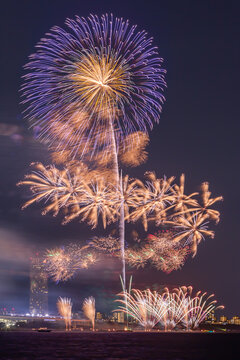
118,316
38,287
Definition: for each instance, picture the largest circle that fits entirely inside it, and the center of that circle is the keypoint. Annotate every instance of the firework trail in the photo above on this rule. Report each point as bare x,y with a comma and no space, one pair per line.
64,306
89,310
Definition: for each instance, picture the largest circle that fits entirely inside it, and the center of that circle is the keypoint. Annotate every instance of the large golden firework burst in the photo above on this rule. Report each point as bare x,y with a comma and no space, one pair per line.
102,81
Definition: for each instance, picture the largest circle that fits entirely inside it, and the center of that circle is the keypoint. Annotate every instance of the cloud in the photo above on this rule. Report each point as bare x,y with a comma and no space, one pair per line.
13,247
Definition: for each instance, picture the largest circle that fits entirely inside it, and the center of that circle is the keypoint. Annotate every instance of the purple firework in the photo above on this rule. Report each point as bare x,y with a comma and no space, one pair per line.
96,74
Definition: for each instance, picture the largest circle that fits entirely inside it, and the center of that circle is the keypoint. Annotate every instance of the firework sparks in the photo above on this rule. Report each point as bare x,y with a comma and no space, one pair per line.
203,207
63,263
64,306
109,244
207,202
132,151
88,197
172,260
89,310
136,258
80,193
144,306
116,75
169,309
96,198
193,229
182,201
49,184
160,251
156,196
195,308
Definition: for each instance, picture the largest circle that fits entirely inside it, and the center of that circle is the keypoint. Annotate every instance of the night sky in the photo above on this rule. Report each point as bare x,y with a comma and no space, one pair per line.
198,134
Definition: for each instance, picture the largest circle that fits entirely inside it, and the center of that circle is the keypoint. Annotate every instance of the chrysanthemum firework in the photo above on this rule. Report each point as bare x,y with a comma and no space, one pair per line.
95,71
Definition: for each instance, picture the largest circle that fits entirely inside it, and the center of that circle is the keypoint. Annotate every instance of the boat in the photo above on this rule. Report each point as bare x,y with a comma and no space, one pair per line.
44,330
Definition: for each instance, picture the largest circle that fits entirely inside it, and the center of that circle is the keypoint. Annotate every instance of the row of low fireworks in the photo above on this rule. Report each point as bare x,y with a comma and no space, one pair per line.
170,310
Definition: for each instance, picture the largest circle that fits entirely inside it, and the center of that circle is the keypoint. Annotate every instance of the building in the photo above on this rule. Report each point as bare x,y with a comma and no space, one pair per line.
211,319
38,287
118,316
235,320
99,316
223,319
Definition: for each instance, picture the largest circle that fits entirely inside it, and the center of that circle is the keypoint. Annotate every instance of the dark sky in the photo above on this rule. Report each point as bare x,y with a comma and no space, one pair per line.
198,134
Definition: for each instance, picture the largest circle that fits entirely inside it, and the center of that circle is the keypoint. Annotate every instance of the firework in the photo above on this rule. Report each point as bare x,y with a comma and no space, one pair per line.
79,192
169,261
195,308
58,187
131,193
89,310
160,251
193,228
145,307
136,258
207,202
64,306
177,306
109,244
101,67
97,198
169,309
201,306
86,196
203,207
63,263
182,201
132,151
156,196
